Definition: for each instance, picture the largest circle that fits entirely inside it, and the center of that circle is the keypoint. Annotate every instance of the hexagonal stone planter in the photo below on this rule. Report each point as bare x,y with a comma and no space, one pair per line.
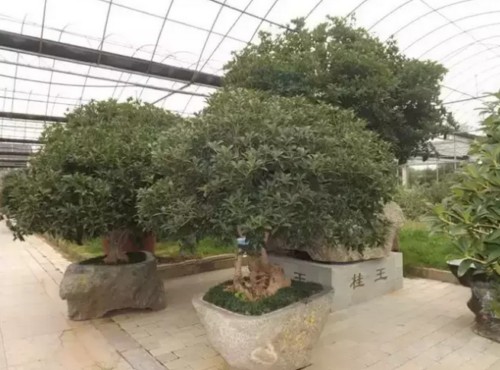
279,340
93,288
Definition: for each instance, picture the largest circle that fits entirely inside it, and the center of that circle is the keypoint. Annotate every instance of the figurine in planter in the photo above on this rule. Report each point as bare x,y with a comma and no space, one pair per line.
83,184
260,167
471,215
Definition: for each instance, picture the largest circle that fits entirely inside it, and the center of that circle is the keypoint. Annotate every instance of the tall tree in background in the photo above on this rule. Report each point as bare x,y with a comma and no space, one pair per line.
345,66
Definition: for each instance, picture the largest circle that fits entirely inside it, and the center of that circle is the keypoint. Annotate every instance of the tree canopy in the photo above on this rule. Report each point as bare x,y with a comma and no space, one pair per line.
345,66
84,181
262,163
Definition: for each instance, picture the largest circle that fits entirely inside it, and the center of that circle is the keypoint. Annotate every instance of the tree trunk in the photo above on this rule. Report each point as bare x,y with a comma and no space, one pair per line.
116,253
265,279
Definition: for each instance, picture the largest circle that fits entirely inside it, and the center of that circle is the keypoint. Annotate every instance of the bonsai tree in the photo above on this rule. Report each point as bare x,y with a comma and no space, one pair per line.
85,180
471,214
339,64
268,168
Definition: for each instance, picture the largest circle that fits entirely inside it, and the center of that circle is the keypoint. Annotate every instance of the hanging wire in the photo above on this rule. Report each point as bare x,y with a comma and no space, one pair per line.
144,12
43,25
251,14
310,12
389,14
16,68
356,8
27,111
425,15
203,51
265,16
164,21
52,72
475,42
3,109
39,101
153,87
469,80
101,45
185,86
451,21
43,95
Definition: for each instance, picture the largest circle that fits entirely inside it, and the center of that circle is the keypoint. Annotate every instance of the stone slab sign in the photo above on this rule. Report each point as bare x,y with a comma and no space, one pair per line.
92,290
354,282
279,340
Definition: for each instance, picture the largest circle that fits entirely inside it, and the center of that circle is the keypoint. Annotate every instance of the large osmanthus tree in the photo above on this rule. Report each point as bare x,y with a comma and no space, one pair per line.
84,181
345,66
269,168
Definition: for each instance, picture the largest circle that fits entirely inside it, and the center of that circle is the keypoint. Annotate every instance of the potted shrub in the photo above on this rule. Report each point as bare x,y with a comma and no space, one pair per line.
84,184
471,215
264,168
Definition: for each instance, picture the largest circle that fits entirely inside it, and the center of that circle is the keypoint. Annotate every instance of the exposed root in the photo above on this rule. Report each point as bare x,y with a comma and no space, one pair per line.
264,280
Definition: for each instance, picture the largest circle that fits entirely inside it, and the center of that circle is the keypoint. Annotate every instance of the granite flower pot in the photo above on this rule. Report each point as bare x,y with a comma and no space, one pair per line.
279,340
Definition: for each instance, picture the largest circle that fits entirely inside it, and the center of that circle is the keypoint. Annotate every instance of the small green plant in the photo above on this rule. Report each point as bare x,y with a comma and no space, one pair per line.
471,215
221,296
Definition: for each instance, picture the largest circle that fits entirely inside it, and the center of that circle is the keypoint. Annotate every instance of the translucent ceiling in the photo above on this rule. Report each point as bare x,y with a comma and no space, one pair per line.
464,35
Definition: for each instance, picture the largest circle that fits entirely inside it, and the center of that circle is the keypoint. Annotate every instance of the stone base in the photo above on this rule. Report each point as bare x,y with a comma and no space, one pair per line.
354,282
92,290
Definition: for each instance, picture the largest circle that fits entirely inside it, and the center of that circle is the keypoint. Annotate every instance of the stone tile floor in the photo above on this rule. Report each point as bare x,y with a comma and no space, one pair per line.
426,325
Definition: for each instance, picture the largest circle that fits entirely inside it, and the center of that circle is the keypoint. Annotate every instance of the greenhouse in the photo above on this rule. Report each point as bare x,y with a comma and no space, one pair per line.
249,185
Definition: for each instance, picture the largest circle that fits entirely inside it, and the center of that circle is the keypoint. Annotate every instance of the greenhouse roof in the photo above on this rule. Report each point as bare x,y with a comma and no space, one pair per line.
57,54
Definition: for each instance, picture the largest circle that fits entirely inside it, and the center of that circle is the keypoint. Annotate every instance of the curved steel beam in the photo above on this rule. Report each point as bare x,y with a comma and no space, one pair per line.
457,35
467,81
448,24
390,13
461,49
425,15
475,55
488,76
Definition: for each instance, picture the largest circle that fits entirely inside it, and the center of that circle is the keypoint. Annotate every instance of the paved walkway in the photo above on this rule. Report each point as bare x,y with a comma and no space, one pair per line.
424,326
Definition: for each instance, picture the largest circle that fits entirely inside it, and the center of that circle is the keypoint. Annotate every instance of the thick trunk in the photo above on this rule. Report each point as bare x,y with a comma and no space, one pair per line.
264,280
116,254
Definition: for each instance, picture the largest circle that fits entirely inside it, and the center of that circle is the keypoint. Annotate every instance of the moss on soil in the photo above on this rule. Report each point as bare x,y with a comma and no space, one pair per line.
284,297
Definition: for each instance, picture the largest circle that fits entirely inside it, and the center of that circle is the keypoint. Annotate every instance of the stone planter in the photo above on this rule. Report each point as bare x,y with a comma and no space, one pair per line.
280,340
93,289
484,301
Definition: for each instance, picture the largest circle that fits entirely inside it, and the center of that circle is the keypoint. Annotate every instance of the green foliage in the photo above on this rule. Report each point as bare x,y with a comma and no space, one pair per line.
412,201
418,200
471,215
421,248
266,164
165,249
345,66
84,182
235,302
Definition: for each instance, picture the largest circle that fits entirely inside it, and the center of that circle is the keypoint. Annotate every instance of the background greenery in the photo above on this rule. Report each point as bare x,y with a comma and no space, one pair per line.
345,66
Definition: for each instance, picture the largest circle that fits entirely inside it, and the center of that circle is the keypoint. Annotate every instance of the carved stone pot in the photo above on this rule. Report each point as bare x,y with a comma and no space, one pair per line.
279,340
